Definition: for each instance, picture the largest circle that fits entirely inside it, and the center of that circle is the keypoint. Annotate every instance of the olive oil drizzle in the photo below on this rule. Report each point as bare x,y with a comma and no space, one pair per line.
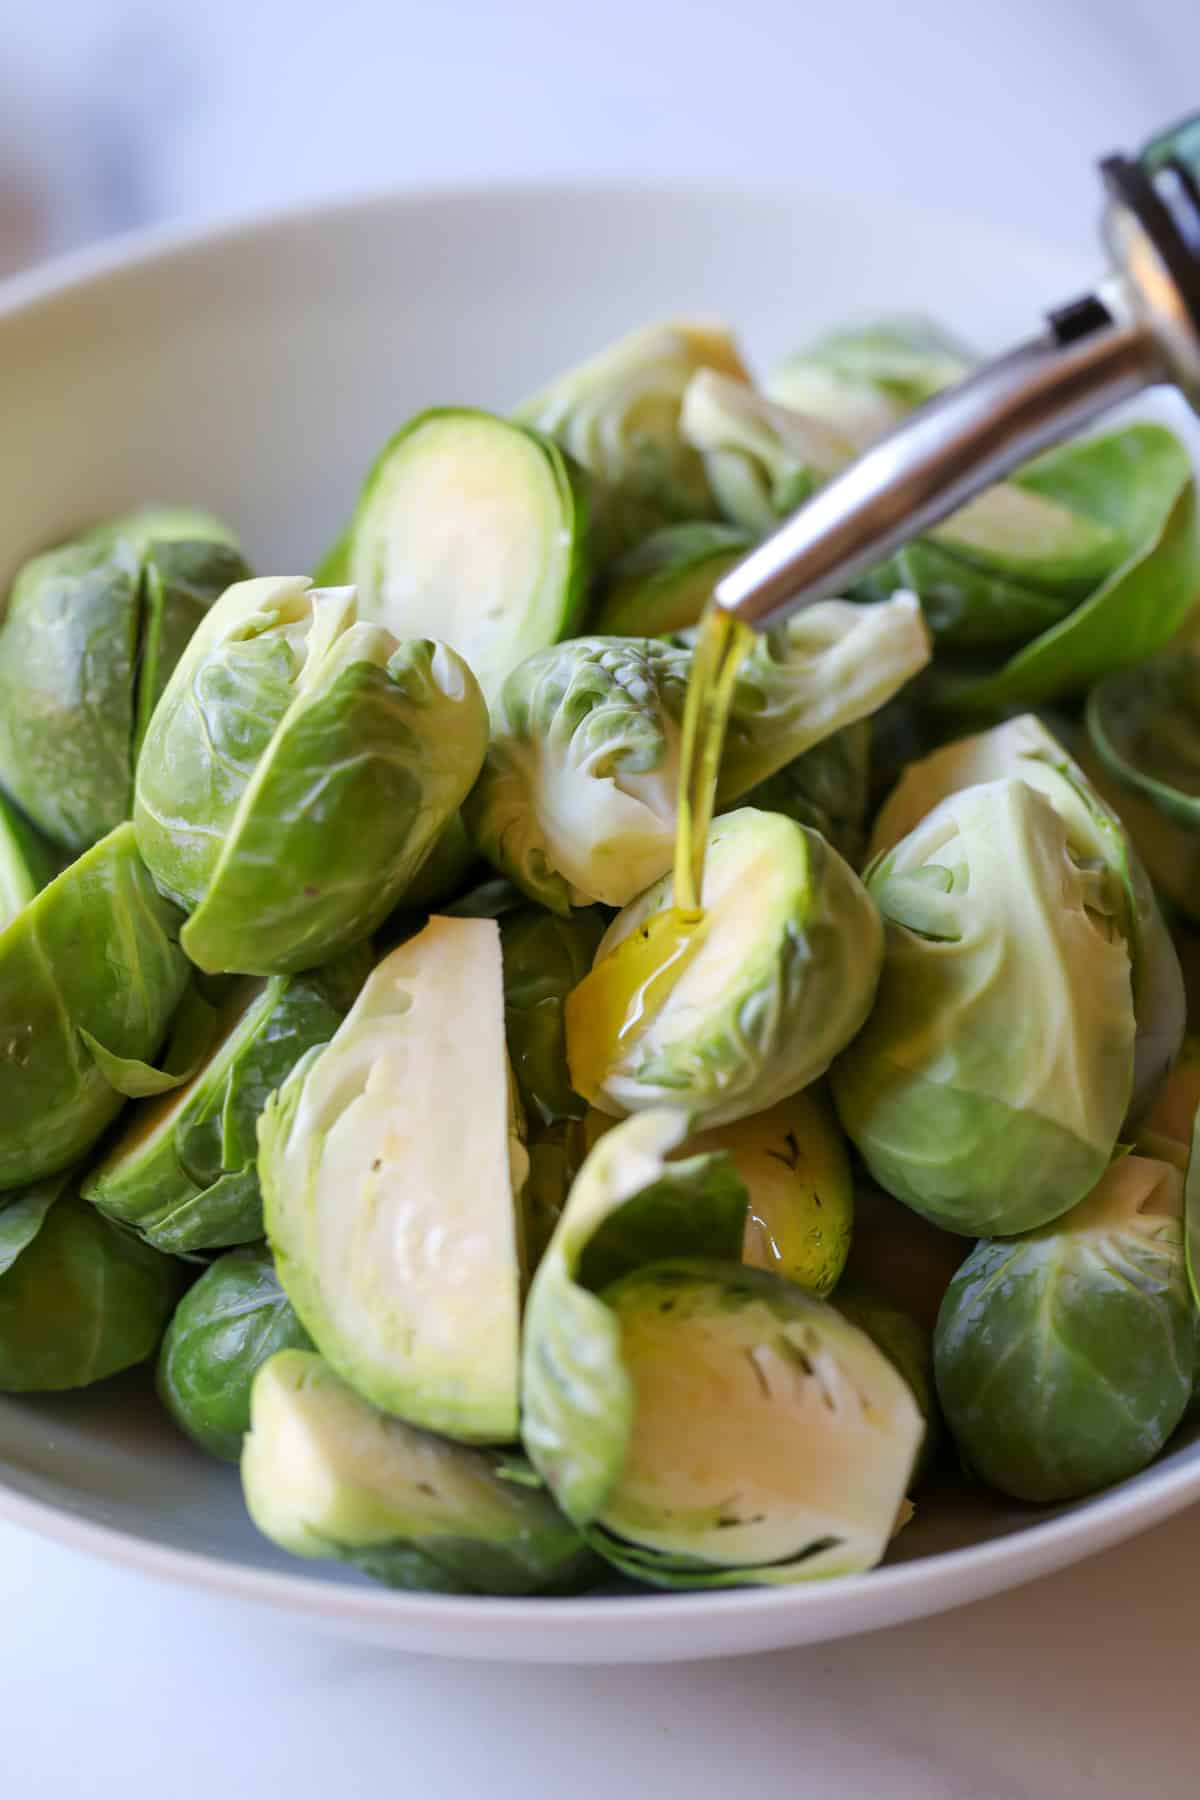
628,987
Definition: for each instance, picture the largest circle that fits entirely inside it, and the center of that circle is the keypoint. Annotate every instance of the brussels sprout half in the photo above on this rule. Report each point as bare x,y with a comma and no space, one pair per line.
1064,1359
544,958
1023,747
617,414
470,530
577,798
88,639
228,1324
95,952
296,772
991,1080
775,980
665,582
79,1298
183,1172
326,1474
703,1424
391,1174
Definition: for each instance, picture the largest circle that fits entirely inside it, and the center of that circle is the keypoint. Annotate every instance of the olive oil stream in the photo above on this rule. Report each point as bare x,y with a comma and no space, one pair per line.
631,985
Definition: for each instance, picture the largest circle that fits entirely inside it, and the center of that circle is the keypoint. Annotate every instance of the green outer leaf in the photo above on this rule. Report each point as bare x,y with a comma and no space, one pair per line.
27,863
181,579
68,645
96,950
1064,1359
968,607
130,1076
627,1201
192,1184
23,1214
664,583
544,958
82,1301
225,1328
1140,481
391,753
409,1509
1144,724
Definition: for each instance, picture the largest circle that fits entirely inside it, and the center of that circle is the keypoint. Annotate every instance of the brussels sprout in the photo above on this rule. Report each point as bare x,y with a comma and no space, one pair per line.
79,1298
296,772
1064,1360
900,1256
576,801
665,582
793,1162
1138,484
1024,747
777,978
325,1474
26,863
988,1086
703,1424
225,1328
828,788
864,379
908,1346
470,530
391,1171
762,461
544,958
183,1172
88,639
94,952
618,415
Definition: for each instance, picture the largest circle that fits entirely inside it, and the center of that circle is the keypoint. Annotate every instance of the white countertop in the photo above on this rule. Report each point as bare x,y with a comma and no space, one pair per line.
1076,1688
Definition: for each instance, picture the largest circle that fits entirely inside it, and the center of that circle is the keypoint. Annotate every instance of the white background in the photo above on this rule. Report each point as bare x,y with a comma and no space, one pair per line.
117,111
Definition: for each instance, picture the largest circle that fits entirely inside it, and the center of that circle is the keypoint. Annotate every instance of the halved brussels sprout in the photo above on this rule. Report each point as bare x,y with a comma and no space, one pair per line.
470,530
762,461
89,636
618,415
665,582
793,1162
544,958
228,1324
79,1298
990,1082
864,379
183,1173
26,863
95,952
754,1004
326,1474
577,797
1023,747
391,1173
828,788
296,772
1064,1359
704,1424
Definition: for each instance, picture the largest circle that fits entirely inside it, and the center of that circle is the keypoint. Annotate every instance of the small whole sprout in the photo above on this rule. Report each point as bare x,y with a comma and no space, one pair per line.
703,1424
90,972
183,1173
617,414
79,1299
326,1474
664,583
748,1007
90,635
228,1324
992,1106
470,530
1065,1358
391,1170
577,798
297,771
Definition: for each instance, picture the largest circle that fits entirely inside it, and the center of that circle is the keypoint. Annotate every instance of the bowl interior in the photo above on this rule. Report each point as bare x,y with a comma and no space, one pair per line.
255,371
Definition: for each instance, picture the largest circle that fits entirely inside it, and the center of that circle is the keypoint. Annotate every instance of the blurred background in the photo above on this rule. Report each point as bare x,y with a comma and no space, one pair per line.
115,113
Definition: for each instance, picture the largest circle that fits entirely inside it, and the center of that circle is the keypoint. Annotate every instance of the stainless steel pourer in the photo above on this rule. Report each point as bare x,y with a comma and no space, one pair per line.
1141,326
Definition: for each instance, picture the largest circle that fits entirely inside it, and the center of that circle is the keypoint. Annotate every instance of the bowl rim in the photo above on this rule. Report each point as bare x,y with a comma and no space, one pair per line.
910,1589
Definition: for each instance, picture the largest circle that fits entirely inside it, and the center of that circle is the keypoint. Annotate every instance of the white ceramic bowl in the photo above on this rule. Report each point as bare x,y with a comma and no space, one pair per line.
255,370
